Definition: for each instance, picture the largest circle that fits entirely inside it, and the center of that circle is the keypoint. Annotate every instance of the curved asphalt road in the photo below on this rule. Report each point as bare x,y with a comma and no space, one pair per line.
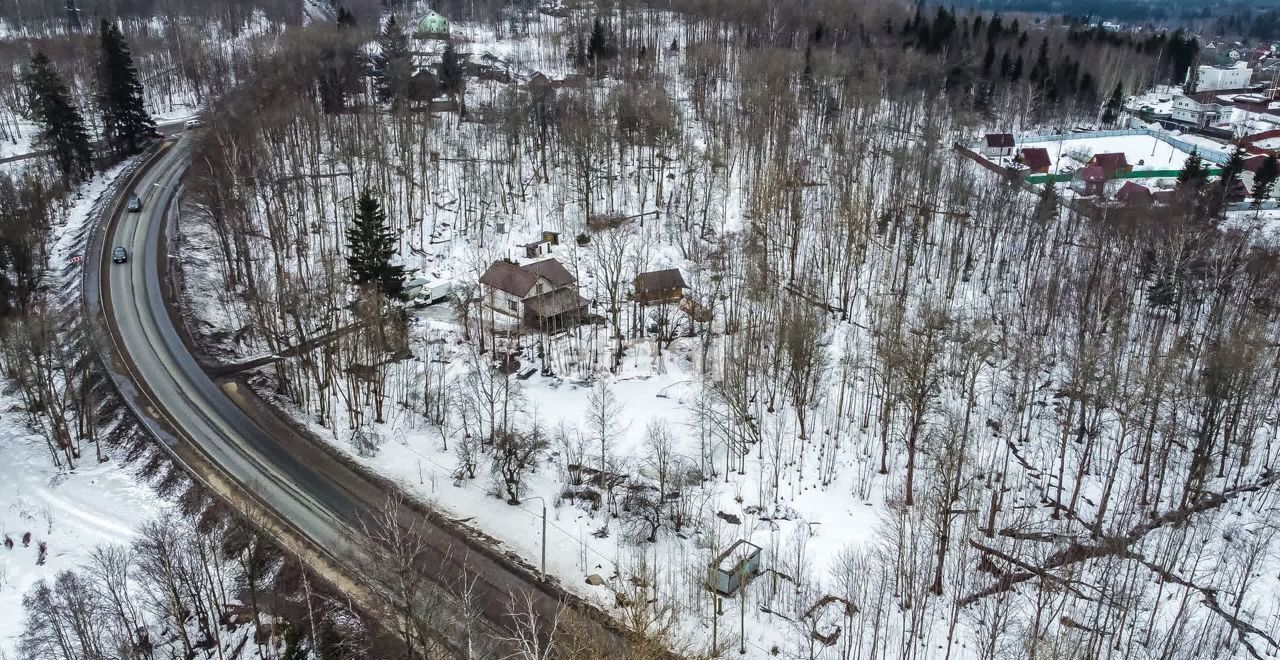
218,432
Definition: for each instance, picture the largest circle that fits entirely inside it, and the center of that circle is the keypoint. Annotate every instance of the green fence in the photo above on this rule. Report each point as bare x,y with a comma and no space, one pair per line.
1136,174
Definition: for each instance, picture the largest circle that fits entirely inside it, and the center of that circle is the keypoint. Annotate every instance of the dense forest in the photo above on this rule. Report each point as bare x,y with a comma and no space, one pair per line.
959,419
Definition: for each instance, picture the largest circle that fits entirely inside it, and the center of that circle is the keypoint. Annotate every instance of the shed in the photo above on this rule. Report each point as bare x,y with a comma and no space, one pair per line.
1111,163
1133,194
1090,180
659,286
1037,160
999,144
734,568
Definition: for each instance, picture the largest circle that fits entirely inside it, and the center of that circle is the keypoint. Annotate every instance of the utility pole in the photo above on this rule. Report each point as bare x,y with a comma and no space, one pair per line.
544,534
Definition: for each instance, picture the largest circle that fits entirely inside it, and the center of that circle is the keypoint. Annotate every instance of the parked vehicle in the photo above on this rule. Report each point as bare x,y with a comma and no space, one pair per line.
194,123
135,203
423,292
119,255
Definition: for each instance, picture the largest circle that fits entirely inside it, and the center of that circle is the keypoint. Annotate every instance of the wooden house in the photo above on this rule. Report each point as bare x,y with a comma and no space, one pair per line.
1037,160
659,286
1112,164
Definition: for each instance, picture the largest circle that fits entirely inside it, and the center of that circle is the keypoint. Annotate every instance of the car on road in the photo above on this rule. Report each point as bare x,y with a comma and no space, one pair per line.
119,255
194,123
135,203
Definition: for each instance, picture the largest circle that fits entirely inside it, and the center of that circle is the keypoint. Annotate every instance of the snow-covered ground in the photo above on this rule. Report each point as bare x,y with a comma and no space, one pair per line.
1142,151
828,509
68,512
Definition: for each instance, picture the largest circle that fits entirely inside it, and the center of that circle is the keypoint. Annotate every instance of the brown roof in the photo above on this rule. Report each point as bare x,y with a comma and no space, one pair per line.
1110,163
553,270
1036,158
1165,196
509,277
660,280
999,140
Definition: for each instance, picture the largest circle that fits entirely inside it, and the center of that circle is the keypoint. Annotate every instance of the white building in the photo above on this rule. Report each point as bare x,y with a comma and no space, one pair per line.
1191,111
1224,77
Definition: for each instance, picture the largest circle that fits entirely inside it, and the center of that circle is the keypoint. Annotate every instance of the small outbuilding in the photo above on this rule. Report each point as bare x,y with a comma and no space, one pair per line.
999,144
1090,181
734,568
1112,164
1133,194
1037,160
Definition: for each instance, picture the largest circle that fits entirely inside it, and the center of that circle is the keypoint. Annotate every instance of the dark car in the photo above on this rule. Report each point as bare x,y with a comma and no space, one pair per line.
119,255
135,203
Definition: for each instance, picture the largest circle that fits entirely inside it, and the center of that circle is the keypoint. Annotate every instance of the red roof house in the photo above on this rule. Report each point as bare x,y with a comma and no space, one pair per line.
1112,163
999,144
1037,160
1133,194
1090,180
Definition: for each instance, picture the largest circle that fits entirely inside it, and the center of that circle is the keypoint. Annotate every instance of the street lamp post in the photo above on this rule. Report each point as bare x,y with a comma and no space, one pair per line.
544,533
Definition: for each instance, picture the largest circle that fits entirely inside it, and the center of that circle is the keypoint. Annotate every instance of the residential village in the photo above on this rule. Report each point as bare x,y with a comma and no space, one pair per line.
1133,157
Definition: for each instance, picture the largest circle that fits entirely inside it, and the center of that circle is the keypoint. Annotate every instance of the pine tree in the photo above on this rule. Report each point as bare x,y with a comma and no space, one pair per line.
1006,65
1194,173
452,78
988,59
1040,69
599,47
64,130
1016,74
370,248
1111,112
1047,205
1265,179
1193,81
393,65
125,122
1235,165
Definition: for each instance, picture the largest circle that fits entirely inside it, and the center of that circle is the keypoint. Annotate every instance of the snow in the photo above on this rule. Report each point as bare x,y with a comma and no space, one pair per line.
1142,151
70,511
841,533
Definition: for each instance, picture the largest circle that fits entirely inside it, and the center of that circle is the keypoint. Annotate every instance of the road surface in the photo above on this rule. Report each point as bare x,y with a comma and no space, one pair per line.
247,454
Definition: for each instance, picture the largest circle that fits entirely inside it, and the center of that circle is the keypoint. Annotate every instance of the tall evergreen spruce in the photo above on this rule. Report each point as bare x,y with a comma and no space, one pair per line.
1265,179
393,66
1235,165
598,48
370,247
125,122
1194,173
64,130
1111,112
452,77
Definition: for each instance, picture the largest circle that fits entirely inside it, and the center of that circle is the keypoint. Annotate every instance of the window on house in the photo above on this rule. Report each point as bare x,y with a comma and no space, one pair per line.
512,305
